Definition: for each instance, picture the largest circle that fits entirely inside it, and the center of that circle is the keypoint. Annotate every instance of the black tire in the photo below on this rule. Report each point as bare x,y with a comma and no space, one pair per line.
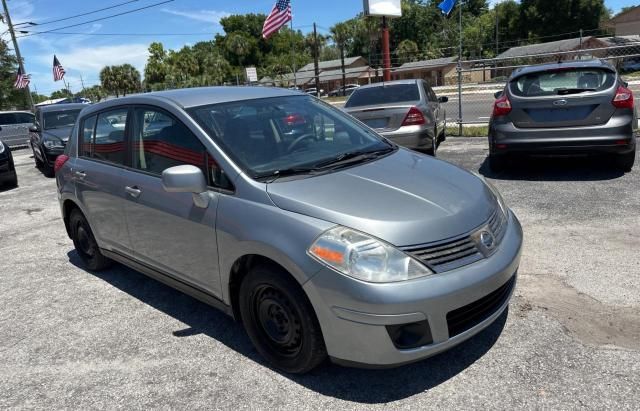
434,144
37,160
48,170
280,320
498,163
85,243
625,161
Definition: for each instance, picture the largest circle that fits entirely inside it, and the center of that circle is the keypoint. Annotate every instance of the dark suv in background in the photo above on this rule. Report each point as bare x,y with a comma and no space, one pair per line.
577,107
50,132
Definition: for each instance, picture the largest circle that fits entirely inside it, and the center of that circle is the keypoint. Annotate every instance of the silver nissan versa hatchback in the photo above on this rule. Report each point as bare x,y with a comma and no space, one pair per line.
330,241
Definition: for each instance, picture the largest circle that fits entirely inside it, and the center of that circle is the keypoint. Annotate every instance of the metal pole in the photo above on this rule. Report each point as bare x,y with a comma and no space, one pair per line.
460,73
293,57
18,56
386,54
316,65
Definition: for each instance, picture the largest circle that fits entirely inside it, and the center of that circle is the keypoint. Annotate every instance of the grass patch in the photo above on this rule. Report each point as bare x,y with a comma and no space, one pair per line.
468,131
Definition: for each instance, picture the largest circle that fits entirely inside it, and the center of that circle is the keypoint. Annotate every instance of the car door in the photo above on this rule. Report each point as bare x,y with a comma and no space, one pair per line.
168,231
97,173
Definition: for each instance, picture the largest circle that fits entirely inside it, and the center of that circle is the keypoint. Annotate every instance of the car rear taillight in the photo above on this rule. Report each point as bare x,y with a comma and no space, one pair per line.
60,160
414,117
294,119
502,106
623,98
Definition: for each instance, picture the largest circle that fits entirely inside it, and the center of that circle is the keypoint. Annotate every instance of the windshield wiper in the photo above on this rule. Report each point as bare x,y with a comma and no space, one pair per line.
273,176
353,157
565,91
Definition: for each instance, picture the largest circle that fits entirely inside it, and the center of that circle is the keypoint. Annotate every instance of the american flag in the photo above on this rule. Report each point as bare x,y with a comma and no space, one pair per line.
22,80
58,70
279,16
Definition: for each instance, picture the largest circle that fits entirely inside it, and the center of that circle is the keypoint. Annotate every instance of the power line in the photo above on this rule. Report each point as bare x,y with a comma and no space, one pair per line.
120,34
87,13
100,19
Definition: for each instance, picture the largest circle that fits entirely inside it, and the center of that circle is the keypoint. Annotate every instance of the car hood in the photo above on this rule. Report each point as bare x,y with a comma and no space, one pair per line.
405,198
60,133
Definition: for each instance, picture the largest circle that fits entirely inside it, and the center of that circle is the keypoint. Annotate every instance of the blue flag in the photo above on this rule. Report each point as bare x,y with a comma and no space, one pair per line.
446,6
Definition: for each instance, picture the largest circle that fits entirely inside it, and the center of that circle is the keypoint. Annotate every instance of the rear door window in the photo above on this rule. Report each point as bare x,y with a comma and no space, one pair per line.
88,130
387,94
109,138
563,81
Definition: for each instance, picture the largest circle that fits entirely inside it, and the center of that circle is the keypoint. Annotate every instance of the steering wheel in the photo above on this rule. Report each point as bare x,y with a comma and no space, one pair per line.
297,141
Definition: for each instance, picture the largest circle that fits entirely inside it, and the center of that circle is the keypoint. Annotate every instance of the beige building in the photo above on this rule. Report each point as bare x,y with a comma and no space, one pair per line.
440,72
627,23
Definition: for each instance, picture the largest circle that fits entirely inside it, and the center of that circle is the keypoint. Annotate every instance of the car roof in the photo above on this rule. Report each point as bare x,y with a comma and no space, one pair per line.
62,107
593,63
388,83
200,96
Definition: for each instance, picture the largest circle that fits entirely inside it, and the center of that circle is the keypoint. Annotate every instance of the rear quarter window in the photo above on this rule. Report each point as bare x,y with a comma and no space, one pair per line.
562,82
387,94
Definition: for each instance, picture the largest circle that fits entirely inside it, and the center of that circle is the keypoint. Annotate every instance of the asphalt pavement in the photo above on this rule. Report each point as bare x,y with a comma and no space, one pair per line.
117,339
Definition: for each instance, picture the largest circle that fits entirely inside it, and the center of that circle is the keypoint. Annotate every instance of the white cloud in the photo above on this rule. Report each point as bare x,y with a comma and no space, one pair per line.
207,16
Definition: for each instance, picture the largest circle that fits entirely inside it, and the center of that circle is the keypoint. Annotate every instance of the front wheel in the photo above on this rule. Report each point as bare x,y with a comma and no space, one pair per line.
85,243
625,161
280,320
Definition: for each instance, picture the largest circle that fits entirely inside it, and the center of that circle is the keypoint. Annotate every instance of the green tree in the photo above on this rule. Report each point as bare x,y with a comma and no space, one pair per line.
155,70
121,79
10,97
342,34
62,93
95,93
407,51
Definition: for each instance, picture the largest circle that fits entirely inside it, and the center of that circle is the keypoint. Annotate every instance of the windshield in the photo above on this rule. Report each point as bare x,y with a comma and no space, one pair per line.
385,94
60,119
266,136
562,81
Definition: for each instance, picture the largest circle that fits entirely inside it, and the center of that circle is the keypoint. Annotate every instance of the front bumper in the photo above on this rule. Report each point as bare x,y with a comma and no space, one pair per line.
416,137
7,170
355,315
615,136
51,154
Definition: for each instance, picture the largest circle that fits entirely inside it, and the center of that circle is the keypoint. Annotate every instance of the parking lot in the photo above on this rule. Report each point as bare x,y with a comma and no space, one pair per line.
116,339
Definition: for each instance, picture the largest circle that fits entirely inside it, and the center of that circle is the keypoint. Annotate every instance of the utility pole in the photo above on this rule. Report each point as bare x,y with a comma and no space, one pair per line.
82,81
386,54
315,59
17,49
497,30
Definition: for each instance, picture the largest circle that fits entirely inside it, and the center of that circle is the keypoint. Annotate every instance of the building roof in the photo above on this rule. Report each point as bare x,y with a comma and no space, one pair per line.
350,73
546,48
621,40
332,64
625,16
441,62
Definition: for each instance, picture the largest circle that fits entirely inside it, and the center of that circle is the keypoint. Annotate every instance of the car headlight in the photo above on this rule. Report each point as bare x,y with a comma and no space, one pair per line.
2,148
51,143
363,257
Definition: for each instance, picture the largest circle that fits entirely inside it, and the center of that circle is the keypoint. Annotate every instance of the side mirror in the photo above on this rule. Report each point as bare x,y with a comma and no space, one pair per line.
34,129
443,99
187,179
498,94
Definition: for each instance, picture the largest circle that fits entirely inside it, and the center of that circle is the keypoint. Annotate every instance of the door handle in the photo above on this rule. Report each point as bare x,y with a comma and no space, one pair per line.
80,175
133,191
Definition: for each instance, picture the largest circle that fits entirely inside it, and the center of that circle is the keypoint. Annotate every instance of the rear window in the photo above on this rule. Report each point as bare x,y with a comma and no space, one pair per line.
562,82
15,118
387,94
60,119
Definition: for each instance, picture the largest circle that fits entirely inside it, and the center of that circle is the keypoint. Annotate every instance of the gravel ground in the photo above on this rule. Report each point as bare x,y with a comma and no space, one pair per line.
116,339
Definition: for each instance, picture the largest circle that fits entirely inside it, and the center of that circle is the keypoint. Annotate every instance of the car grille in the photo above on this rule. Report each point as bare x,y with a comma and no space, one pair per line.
454,253
467,317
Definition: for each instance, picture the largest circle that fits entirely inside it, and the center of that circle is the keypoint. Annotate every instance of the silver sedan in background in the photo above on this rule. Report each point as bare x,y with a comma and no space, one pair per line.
408,112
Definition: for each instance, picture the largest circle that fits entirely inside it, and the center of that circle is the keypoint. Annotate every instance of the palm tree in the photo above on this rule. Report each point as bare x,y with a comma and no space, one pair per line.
341,34
407,51
238,45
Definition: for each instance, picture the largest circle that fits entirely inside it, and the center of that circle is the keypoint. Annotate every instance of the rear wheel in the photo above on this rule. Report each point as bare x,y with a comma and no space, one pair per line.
85,243
625,161
280,320
434,144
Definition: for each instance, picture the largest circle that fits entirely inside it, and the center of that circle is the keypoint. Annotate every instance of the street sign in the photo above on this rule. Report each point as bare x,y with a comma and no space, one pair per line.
386,8
252,74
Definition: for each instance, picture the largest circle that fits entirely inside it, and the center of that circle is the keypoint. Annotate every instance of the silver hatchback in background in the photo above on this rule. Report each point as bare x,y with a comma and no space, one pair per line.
14,127
408,112
321,237
566,108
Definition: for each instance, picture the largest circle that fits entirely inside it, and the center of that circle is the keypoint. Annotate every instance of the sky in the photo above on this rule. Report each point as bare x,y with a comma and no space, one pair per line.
84,54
